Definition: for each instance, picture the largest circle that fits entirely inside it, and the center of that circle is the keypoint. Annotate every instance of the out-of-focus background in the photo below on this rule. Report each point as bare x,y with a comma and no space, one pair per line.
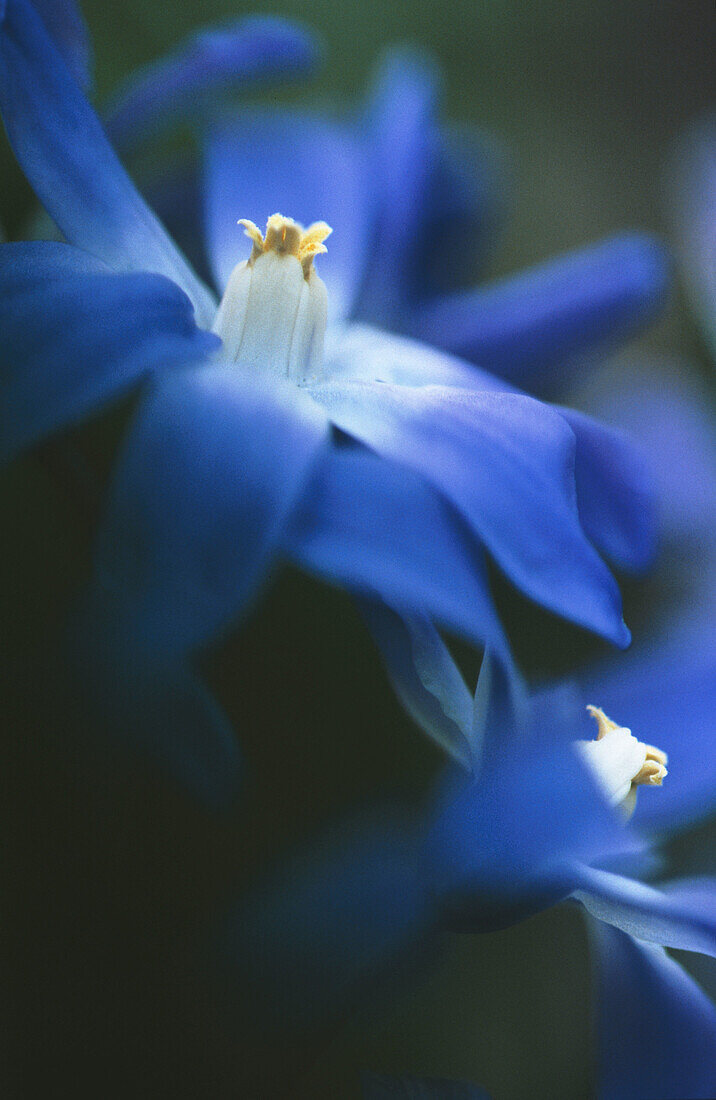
588,97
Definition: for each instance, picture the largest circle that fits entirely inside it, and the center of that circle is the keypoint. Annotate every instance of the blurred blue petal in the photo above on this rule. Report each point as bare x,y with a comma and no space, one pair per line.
616,492
164,715
684,917
656,1027
401,133
506,462
666,408
62,358
202,490
64,153
372,526
378,1086
249,175
66,26
216,59
694,188
327,924
425,678
526,328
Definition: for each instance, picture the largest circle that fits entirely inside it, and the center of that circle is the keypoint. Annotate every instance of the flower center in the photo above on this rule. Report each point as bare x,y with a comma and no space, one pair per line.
619,762
272,318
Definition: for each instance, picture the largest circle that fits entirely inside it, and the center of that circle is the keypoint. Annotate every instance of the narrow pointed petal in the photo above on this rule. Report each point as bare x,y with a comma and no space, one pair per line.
379,529
527,328
506,462
656,1026
227,57
76,336
70,164
402,136
248,174
209,473
684,916
425,677
65,24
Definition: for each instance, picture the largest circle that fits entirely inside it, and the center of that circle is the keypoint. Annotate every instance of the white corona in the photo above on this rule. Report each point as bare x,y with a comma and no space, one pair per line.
272,318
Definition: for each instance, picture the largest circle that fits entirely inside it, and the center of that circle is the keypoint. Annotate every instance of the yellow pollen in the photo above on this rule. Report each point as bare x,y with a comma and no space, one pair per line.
287,238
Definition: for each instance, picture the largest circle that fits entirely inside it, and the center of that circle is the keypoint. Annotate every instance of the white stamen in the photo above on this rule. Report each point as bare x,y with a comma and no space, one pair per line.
619,762
272,318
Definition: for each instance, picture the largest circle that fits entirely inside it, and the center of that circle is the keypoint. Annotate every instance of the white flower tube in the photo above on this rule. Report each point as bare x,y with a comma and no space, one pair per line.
272,318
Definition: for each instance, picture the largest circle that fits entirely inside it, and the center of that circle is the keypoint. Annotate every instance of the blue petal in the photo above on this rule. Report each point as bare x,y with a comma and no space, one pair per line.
360,352
301,165
526,327
378,529
614,483
684,917
76,336
402,137
507,464
217,59
616,492
65,24
657,1028
425,677
378,1086
64,153
325,925
209,473
666,693
695,214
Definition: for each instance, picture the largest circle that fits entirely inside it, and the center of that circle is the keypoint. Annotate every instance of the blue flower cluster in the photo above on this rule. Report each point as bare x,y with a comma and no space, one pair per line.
397,475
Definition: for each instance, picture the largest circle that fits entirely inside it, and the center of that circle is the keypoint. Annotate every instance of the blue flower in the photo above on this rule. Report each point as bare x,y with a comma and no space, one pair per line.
519,826
531,829
396,157
221,471
391,476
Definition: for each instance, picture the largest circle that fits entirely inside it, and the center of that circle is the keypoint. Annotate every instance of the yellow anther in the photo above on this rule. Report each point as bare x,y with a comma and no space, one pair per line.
287,238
